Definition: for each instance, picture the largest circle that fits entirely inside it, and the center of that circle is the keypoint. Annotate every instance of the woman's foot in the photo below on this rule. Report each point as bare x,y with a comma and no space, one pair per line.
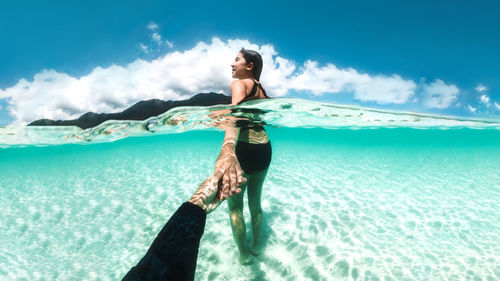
254,250
245,259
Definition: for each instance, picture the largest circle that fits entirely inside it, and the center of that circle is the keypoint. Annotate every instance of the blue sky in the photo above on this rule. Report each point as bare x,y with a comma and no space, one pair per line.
444,53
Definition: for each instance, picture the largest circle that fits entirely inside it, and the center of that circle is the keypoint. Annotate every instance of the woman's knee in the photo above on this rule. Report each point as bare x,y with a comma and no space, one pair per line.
236,215
255,210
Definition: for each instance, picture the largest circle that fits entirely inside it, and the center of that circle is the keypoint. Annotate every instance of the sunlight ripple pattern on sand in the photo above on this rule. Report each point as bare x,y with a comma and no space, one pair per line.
344,204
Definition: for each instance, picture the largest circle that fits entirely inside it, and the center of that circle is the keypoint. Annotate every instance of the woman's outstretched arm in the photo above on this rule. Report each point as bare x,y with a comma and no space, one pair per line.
227,162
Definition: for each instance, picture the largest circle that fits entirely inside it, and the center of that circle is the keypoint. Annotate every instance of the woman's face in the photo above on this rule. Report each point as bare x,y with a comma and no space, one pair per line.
240,67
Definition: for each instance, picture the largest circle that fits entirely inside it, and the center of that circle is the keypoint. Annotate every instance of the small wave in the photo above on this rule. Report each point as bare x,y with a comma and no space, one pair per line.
272,112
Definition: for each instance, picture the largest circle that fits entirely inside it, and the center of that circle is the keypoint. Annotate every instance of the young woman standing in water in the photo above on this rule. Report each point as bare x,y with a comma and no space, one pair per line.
246,149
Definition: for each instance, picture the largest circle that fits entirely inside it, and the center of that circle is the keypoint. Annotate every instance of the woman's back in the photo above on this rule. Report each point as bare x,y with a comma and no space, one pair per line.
253,134
254,90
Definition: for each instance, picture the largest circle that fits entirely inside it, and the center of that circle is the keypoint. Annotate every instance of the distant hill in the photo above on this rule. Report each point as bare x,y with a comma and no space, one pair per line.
139,111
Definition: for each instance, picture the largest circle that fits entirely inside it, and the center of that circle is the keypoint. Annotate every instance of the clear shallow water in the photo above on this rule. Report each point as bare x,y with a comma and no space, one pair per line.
354,203
275,112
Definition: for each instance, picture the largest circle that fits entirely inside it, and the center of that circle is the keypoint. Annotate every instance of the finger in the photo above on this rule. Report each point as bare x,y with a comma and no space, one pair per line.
241,178
226,183
238,190
233,177
233,183
239,172
239,175
236,183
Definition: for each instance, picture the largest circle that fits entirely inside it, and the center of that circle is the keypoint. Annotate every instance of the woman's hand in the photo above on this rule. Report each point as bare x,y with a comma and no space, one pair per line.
210,194
227,163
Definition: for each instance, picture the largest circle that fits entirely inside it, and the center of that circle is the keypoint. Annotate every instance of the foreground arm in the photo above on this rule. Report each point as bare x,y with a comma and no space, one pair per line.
173,253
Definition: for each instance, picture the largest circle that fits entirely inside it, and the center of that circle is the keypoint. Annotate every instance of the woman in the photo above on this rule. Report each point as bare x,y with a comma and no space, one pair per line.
252,152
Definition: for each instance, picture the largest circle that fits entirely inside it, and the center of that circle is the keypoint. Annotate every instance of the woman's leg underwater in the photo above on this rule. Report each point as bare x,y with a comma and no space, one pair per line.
235,204
255,182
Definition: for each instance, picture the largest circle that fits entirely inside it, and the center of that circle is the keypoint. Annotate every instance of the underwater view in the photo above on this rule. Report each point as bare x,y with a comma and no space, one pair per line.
352,193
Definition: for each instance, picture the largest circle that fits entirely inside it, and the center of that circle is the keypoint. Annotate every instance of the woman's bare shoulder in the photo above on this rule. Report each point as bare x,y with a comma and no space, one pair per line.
238,91
236,82
242,82
238,85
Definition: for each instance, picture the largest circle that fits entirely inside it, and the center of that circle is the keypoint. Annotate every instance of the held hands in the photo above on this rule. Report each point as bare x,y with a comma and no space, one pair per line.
228,164
210,192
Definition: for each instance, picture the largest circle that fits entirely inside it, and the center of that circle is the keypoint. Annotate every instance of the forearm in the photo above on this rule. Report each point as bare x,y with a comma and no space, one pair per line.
227,152
174,252
231,134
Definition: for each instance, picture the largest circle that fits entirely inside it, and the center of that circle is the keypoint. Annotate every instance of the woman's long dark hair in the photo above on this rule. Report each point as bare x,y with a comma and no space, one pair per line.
256,58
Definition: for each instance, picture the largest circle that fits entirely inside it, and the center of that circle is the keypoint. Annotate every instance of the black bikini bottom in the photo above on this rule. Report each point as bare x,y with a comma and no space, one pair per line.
253,157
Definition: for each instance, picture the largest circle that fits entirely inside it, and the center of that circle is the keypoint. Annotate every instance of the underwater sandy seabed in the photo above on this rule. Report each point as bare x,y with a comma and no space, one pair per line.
368,204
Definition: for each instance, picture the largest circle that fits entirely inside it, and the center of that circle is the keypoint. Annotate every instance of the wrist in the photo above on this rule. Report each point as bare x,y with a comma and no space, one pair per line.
198,202
227,150
228,144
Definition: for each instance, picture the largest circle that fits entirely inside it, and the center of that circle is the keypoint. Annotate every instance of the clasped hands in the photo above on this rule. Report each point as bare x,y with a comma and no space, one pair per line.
224,183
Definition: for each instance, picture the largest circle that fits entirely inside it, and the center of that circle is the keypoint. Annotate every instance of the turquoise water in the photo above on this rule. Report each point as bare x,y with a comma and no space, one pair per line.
350,197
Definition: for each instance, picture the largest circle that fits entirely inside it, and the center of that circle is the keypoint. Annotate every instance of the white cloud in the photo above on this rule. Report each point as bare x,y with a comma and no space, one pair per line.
177,75
144,48
383,89
497,105
439,95
471,109
156,37
330,79
204,68
485,99
481,88
156,40
152,26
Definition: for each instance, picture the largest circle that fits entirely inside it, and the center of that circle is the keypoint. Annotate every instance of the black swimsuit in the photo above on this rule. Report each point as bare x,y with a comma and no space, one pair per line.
253,92
253,157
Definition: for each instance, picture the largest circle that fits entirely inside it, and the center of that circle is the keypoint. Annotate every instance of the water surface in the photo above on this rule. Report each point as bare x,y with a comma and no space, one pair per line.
350,195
